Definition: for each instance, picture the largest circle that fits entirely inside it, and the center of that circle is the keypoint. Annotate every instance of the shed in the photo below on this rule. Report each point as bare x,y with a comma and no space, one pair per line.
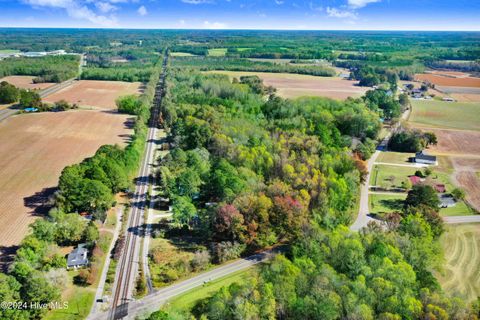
415,180
440,188
422,157
447,201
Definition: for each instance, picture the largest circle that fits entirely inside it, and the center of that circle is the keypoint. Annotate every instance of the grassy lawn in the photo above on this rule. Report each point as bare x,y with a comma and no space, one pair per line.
243,49
182,54
188,299
79,300
461,244
390,176
8,51
394,157
380,204
169,259
217,52
453,115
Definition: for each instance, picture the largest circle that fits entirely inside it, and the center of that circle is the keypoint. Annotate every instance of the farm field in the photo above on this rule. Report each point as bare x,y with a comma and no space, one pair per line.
217,52
441,114
36,148
182,54
466,176
25,82
297,85
95,94
461,94
458,80
461,244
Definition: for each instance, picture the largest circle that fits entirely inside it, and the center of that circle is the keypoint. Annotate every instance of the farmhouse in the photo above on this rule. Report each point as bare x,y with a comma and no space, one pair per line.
422,157
415,180
78,257
440,188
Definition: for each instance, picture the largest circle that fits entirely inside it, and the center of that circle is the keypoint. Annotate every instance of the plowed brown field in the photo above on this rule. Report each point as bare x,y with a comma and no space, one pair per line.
443,80
96,94
25,82
34,149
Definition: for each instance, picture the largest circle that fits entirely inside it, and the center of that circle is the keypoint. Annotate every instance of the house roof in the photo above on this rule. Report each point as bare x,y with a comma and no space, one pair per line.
78,257
447,200
414,179
423,156
440,188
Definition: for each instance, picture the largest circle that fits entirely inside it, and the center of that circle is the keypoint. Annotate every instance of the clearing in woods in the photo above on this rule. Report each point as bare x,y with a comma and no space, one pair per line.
25,82
461,244
36,148
95,94
290,85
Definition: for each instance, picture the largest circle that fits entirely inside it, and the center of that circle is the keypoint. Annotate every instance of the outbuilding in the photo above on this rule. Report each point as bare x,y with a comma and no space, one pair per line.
422,157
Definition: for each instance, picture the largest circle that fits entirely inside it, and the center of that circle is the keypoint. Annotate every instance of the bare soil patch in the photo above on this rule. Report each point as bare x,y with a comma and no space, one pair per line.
456,142
448,80
297,85
25,82
466,177
95,94
35,148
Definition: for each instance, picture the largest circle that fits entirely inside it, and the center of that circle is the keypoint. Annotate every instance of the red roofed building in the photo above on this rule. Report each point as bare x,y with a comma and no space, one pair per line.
415,180
440,188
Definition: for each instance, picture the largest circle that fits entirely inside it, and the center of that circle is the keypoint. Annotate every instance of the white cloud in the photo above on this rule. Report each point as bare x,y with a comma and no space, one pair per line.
279,2
214,25
77,10
105,7
336,13
142,11
197,1
355,4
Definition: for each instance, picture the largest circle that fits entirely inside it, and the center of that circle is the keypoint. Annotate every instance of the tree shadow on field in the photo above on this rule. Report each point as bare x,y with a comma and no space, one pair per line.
393,204
7,255
40,202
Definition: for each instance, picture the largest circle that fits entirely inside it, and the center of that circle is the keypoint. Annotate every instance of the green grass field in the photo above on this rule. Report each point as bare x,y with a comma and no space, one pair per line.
188,299
395,157
461,244
217,52
243,49
182,54
390,176
380,204
452,115
8,51
79,300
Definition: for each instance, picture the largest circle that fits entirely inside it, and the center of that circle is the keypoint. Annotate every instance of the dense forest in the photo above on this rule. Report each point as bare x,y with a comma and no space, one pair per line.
46,69
249,170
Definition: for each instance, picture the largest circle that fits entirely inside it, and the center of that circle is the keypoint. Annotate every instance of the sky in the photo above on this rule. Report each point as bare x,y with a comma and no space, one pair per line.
244,14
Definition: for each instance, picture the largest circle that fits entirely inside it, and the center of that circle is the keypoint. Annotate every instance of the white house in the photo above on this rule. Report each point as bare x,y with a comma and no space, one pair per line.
422,157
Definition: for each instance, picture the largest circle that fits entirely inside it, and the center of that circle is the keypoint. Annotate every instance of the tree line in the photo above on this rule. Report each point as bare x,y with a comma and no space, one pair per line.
46,69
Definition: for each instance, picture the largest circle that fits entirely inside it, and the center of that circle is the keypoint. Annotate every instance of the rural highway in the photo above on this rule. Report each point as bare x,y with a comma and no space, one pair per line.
127,268
154,301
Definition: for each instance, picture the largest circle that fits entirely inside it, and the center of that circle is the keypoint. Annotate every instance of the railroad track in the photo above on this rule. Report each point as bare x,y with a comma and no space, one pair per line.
126,272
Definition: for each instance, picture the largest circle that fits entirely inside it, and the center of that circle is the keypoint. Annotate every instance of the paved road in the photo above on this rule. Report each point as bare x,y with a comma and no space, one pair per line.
5,113
363,218
462,219
57,87
154,301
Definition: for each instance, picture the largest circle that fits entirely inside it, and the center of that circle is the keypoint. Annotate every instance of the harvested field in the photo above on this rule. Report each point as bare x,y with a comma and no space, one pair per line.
95,94
458,143
466,176
461,244
25,82
35,148
441,114
448,80
296,85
